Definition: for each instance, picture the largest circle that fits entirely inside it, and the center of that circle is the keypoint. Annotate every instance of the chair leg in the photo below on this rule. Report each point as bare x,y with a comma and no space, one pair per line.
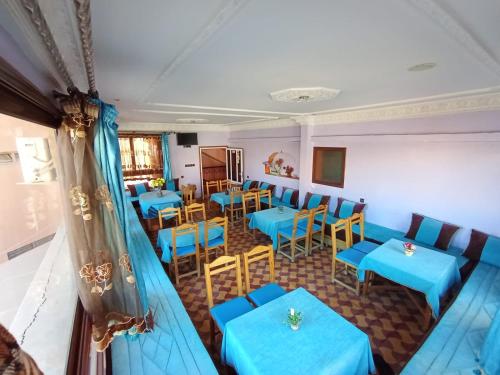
334,269
292,249
176,271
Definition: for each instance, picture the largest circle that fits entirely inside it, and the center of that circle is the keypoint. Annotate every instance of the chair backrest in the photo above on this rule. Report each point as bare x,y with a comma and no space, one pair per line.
319,214
169,213
193,208
358,219
234,187
258,253
341,225
222,264
220,222
247,199
232,197
267,186
185,230
223,185
303,216
188,193
265,195
211,184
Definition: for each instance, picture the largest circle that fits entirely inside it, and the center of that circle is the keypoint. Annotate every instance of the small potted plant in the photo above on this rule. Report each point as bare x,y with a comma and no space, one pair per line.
294,319
409,248
156,184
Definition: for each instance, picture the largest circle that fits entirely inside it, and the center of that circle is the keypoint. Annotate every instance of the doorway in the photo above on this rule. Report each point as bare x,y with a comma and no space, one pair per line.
220,163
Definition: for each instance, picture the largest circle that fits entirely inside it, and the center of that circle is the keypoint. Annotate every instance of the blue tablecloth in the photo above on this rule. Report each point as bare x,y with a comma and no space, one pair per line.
224,199
152,199
164,240
427,271
270,220
259,342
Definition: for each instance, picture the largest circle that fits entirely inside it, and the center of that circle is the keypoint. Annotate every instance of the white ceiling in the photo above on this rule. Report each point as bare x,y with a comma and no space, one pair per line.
219,59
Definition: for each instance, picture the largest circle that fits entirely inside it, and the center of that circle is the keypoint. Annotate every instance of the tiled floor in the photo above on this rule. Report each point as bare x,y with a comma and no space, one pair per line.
16,276
390,319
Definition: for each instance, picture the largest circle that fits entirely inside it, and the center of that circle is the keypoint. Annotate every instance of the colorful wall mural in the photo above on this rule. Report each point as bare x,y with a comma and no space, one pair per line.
281,164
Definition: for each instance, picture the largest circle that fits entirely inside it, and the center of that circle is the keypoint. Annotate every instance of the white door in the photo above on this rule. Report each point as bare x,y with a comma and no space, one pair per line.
234,165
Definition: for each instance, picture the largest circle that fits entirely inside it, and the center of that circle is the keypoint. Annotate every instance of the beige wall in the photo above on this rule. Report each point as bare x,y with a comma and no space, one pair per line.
28,212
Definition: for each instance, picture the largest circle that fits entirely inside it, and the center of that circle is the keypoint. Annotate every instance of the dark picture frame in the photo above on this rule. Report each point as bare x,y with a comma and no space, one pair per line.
329,166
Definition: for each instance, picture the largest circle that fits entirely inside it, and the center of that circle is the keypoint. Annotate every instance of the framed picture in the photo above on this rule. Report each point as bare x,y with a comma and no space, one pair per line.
329,166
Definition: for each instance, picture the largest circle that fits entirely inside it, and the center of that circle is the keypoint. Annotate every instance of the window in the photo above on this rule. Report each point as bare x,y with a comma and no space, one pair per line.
329,166
141,155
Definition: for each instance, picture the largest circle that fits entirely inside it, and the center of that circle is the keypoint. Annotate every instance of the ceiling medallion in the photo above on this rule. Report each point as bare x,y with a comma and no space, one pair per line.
190,120
304,95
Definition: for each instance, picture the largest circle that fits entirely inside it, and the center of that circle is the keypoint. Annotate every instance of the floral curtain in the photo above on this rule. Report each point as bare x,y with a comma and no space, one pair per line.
147,152
105,281
126,154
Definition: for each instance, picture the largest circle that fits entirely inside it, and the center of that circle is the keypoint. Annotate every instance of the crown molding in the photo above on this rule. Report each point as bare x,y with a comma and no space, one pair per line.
220,19
473,103
224,109
168,127
264,124
458,32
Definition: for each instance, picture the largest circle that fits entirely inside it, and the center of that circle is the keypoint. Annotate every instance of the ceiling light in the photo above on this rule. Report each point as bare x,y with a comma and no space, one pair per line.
189,120
304,95
421,67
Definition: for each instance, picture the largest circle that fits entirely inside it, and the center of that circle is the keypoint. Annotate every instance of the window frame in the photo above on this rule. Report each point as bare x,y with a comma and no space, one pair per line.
135,172
316,166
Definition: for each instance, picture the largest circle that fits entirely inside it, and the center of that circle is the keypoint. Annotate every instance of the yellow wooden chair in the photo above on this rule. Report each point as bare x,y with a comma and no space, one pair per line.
235,208
214,185
269,291
251,204
226,311
170,213
300,230
217,243
349,258
265,197
188,192
318,219
193,209
223,185
183,253
362,245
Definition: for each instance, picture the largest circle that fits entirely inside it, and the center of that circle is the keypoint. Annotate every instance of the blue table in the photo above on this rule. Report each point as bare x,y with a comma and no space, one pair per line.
271,220
152,199
259,342
223,199
164,240
427,271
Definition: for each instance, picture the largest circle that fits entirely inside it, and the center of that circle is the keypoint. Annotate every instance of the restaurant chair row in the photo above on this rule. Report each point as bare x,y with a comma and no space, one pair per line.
222,313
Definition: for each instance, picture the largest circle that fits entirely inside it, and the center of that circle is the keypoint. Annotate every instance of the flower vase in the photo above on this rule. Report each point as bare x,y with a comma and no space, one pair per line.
294,327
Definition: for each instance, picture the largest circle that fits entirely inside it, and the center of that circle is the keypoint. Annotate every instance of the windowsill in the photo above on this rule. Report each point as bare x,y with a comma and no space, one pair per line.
43,324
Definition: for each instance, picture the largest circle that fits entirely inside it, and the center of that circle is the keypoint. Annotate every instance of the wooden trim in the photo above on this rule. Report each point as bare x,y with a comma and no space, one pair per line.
315,166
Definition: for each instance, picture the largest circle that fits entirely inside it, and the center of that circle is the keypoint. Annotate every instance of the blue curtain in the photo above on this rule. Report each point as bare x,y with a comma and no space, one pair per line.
107,154
167,168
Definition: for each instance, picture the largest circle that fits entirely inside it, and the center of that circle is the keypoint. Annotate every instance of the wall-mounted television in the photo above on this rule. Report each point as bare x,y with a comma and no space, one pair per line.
187,139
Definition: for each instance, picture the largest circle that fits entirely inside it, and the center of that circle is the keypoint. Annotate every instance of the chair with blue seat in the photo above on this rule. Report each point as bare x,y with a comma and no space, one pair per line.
349,257
235,208
210,187
294,234
362,245
265,198
251,204
218,243
170,213
195,209
226,311
318,220
187,234
269,291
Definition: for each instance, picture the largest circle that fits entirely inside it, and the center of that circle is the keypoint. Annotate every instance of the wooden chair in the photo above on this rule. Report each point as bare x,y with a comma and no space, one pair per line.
234,186
318,219
349,258
188,192
235,208
216,243
251,203
300,230
170,213
223,185
192,209
185,252
226,311
362,245
209,185
265,198
269,291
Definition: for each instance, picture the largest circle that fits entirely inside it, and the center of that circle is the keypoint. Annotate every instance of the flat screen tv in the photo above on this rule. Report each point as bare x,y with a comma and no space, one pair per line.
187,139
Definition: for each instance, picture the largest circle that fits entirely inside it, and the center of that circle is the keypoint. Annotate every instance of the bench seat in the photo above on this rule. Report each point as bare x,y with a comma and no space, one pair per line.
454,344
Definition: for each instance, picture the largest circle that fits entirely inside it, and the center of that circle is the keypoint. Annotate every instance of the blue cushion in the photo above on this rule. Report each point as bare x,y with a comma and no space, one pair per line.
287,231
140,189
314,201
351,256
266,293
429,230
184,250
133,199
315,227
287,196
170,185
219,241
346,209
330,219
491,251
275,201
229,310
264,185
246,184
365,246
266,200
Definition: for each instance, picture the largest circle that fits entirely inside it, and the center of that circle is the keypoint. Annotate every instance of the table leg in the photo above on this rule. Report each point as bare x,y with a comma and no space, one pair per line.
368,275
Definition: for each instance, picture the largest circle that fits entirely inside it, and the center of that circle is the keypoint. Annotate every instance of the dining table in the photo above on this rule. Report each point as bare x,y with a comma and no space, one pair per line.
158,201
261,342
223,199
164,240
427,271
271,220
